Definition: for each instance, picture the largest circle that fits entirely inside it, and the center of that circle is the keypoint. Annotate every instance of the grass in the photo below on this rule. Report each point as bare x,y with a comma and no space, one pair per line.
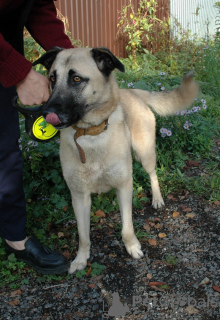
48,199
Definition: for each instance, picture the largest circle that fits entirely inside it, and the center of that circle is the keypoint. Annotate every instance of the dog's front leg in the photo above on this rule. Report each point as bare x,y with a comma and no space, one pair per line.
82,205
133,246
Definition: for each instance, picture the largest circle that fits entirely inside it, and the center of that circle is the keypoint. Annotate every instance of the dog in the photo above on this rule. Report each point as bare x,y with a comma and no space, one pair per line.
100,124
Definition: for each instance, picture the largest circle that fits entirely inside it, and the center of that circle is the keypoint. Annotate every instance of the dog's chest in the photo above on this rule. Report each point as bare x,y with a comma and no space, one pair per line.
101,177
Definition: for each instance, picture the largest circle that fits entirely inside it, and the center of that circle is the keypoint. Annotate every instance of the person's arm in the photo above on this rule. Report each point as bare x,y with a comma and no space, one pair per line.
48,31
13,66
45,27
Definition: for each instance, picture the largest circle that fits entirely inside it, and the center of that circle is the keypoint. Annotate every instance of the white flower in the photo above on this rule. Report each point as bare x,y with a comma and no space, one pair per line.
162,88
203,101
183,113
204,106
159,83
122,81
186,126
20,147
35,144
194,109
169,133
162,73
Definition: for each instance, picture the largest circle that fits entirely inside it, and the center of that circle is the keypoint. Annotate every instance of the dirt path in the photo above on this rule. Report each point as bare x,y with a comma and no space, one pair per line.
179,277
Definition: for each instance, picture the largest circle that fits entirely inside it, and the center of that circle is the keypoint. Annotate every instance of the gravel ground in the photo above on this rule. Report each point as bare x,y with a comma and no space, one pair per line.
177,279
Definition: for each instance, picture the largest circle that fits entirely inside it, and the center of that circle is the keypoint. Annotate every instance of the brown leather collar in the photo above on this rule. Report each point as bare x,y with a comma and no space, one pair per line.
92,131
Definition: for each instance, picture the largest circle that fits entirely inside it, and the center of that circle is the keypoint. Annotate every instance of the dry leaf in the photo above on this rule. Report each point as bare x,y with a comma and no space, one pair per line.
187,210
66,254
89,271
190,215
60,235
92,285
171,197
152,242
14,302
191,310
216,288
176,214
204,281
149,276
65,208
193,163
162,235
157,289
156,283
157,219
15,293
100,213
147,227
158,226
111,225
217,202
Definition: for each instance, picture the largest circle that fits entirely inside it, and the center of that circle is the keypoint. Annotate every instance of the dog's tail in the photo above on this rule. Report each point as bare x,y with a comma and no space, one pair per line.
169,102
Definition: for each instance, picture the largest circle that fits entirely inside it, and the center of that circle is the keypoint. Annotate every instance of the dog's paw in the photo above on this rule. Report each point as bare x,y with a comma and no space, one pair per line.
135,250
78,264
157,202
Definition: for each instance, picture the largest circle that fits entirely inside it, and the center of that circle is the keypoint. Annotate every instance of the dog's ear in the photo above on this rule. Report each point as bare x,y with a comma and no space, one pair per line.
48,58
106,61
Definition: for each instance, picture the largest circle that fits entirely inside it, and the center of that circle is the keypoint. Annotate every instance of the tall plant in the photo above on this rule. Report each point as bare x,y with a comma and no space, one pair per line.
141,29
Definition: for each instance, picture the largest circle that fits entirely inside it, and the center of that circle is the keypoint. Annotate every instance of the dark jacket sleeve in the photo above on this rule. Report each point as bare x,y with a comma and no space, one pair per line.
13,66
45,28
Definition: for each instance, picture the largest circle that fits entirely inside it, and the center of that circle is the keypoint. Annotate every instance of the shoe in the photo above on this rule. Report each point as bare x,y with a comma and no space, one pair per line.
40,258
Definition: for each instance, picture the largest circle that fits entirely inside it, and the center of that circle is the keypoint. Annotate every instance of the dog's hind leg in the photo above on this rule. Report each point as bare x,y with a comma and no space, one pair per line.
147,157
82,205
124,194
143,144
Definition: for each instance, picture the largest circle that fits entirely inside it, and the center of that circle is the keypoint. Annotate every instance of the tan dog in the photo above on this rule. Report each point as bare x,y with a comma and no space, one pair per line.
108,122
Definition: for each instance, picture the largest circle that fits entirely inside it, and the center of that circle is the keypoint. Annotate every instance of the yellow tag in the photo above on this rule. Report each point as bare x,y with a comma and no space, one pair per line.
43,130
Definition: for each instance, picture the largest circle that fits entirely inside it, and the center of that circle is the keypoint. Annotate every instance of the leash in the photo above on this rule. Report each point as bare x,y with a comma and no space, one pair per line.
92,131
35,125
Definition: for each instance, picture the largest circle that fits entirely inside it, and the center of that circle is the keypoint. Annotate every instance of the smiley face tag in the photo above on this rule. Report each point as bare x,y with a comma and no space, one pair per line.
43,130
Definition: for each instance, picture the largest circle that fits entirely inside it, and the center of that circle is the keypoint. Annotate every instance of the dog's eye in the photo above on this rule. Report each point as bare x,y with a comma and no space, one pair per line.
77,79
52,79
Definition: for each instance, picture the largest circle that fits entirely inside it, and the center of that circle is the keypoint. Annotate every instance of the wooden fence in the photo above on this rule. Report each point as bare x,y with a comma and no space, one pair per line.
94,22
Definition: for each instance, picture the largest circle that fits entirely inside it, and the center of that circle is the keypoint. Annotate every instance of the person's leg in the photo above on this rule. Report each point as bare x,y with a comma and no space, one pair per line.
12,199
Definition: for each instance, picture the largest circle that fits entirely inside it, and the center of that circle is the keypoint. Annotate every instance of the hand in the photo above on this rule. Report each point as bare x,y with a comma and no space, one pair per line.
34,89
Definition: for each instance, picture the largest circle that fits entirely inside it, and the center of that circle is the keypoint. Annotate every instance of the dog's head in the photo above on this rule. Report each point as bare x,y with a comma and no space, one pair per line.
80,81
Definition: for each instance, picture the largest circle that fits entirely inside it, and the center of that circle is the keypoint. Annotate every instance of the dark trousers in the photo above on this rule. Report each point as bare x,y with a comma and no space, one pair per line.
12,199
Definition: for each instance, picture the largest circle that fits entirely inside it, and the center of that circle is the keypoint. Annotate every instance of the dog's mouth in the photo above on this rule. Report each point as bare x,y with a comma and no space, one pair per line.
53,119
56,122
